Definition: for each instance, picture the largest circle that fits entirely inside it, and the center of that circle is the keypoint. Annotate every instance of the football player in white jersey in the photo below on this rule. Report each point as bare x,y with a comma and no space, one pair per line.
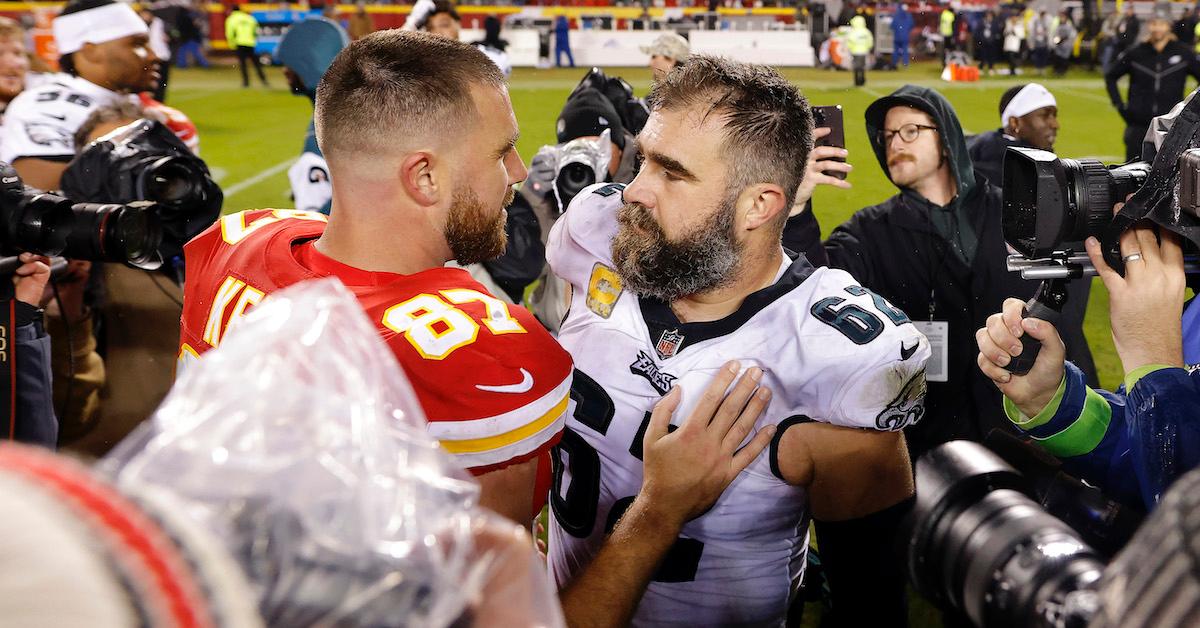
106,57
675,275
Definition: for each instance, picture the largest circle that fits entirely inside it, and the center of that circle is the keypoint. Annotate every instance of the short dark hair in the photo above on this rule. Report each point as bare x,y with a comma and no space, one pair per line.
75,6
1008,96
441,6
768,123
393,85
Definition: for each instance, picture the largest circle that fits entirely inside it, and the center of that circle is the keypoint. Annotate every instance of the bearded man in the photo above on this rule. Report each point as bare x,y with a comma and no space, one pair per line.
673,277
419,135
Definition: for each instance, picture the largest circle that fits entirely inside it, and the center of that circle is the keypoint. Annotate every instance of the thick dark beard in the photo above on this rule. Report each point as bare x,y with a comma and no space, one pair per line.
473,235
651,265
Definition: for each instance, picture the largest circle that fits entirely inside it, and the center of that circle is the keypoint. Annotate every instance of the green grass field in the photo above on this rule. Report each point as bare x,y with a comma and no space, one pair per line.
249,136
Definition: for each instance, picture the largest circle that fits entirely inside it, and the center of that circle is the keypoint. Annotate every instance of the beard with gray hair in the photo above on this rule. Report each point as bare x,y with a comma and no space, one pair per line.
652,265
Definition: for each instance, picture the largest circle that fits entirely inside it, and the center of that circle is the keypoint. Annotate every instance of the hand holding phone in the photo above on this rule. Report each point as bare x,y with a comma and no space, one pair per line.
827,161
830,117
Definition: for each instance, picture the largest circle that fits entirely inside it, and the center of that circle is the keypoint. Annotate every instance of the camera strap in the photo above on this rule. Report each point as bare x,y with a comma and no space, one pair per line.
1155,200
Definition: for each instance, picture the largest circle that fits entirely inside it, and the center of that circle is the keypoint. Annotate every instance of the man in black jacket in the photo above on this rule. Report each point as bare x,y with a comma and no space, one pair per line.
1158,69
1028,119
936,251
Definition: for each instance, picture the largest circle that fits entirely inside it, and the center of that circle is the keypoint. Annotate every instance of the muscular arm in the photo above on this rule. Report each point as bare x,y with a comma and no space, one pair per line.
608,591
42,174
860,486
849,473
509,491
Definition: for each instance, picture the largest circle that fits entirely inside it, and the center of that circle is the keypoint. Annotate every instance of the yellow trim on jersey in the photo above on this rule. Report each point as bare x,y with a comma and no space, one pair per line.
476,445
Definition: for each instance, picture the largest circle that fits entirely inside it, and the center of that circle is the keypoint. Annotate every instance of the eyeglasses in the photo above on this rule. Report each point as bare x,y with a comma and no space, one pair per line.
908,133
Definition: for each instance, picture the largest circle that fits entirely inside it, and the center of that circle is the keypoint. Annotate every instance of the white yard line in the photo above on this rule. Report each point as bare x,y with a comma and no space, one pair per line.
244,184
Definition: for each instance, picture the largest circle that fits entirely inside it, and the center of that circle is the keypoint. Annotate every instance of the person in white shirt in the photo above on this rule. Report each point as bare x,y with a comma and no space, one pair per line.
106,57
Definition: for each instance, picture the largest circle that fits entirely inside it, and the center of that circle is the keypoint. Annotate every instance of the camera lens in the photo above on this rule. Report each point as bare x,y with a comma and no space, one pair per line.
981,545
129,234
170,181
572,179
38,223
1052,203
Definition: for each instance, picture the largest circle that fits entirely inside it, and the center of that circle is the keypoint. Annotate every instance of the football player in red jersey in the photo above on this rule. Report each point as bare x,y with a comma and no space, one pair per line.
420,138
419,135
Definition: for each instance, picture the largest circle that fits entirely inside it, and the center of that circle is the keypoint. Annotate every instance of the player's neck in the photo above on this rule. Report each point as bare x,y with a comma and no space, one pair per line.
366,247
756,272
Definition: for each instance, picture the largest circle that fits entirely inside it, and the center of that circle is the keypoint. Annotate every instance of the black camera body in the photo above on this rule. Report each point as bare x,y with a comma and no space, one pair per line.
145,161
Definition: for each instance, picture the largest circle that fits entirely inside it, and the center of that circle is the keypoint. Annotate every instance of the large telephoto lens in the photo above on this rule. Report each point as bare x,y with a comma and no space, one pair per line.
979,544
128,234
37,223
1052,203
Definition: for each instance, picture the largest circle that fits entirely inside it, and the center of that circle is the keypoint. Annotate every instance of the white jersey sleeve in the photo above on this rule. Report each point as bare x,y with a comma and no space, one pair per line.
582,236
868,359
311,188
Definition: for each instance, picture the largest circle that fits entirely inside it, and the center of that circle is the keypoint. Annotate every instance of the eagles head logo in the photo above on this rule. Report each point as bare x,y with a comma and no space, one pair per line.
907,408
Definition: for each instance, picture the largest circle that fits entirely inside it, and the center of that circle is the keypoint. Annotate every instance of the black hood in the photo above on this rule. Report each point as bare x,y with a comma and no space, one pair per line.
950,220
938,108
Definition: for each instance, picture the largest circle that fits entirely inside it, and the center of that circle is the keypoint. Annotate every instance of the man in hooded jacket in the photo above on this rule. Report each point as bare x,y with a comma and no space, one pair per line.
936,250
306,51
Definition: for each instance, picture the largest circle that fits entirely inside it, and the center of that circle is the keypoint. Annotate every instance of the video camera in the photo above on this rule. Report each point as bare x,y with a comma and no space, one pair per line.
1052,204
981,538
47,224
582,162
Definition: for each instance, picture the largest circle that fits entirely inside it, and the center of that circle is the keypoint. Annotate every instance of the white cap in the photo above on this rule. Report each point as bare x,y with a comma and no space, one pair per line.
1031,98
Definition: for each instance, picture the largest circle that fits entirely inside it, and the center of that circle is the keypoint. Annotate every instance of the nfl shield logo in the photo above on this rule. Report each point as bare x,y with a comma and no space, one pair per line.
668,343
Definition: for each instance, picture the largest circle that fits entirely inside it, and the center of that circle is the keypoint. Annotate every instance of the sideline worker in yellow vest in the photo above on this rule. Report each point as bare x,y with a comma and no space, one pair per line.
241,32
860,41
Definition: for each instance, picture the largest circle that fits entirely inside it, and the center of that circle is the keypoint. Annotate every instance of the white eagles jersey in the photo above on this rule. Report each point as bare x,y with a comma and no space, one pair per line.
830,351
41,121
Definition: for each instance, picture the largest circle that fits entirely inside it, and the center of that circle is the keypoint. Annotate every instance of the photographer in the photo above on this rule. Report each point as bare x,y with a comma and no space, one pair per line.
936,251
32,411
1132,443
136,292
589,129
106,57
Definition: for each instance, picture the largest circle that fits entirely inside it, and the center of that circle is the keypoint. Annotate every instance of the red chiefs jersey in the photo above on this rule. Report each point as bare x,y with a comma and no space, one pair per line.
492,382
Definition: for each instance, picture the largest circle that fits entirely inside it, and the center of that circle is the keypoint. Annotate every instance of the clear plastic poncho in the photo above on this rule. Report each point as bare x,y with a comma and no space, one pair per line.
300,444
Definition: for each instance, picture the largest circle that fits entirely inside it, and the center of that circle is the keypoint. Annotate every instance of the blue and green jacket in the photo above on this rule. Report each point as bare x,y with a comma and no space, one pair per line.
1132,443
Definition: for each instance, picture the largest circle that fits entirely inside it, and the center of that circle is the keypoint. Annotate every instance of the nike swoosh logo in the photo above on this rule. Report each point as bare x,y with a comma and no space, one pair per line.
524,385
907,352
59,117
